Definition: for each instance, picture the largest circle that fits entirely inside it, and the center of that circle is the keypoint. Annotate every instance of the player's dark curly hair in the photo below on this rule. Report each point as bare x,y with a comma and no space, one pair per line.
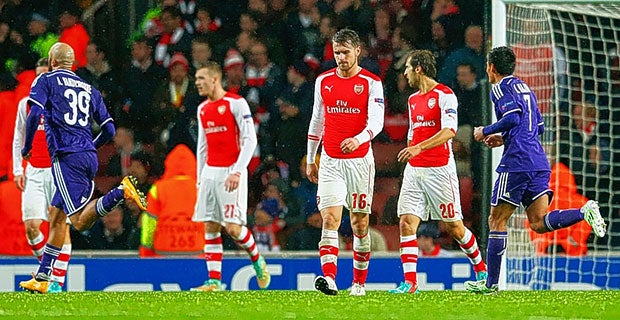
426,60
347,36
504,60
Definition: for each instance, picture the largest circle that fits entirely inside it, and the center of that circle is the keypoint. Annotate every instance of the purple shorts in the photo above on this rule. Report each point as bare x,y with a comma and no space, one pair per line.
521,187
73,177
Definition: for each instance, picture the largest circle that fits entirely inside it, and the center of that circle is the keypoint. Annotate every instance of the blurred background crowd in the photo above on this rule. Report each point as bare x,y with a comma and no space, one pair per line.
142,56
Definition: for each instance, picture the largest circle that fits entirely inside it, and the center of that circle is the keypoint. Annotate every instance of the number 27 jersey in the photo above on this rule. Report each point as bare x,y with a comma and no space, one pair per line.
69,106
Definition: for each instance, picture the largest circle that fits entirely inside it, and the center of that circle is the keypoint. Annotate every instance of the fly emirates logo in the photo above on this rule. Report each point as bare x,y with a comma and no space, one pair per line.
212,128
342,107
420,122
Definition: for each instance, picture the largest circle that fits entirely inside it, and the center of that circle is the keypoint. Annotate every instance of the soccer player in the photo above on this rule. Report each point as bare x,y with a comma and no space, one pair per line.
523,169
68,105
347,114
226,142
430,185
37,186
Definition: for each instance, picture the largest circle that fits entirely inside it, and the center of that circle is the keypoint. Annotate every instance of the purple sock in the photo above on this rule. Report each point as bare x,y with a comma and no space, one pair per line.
558,219
50,254
495,250
109,201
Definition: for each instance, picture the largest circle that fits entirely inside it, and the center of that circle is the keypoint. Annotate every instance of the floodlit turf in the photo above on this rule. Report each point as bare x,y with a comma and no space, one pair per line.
535,305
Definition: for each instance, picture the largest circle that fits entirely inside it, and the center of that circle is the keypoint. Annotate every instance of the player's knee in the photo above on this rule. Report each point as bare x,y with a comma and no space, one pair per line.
497,222
233,230
538,227
32,228
330,222
405,226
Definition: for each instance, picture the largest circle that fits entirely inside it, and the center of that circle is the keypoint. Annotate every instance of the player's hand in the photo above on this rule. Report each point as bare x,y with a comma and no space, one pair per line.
494,140
349,145
478,135
26,154
232,182
408,153
312,171
20,182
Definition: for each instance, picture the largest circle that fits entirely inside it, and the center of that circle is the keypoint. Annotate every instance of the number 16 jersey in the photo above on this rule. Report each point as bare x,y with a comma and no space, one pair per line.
69,105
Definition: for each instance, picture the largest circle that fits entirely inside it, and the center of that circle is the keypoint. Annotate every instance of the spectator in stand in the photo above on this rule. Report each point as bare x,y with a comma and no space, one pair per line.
171,202
175,106
308,236
472,53
330,24
141,81
252,23
174,38
208,25
110,233
441,44
74,34
99,73
269,218
265,81
125,144
380,40
469,95
234,76
427,233
397,90
201,53
303,34
295,109
41,39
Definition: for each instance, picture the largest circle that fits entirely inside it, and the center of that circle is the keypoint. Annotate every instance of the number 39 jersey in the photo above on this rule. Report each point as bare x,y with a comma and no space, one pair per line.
69,105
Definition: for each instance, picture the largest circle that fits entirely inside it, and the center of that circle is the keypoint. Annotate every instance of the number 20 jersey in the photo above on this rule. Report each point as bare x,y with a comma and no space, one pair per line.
69,106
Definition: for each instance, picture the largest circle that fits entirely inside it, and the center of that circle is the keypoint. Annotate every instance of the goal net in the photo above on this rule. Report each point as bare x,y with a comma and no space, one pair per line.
567,52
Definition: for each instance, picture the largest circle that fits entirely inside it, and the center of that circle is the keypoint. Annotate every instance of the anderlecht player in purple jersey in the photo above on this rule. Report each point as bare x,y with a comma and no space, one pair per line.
523,170
69,105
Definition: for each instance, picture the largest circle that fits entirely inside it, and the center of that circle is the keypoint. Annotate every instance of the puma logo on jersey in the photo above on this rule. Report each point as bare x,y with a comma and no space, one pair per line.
328,88
83,200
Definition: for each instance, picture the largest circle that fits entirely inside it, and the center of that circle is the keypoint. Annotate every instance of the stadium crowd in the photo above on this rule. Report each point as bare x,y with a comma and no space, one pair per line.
271,51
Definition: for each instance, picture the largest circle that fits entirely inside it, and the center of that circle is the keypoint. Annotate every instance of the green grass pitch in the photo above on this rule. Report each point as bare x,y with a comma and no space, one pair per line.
262,305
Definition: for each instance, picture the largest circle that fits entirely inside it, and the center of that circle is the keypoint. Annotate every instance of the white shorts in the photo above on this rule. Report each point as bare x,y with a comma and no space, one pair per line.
215,204
347,182
431,190
38,192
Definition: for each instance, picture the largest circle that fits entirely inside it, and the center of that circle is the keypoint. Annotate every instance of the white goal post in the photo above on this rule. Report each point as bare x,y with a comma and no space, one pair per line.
568,53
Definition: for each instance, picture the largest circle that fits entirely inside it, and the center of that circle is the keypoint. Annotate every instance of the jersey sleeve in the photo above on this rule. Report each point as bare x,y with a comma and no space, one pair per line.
201,145
317,123
18,137
449,111
376,109
39,92
247,133
507,104
410,131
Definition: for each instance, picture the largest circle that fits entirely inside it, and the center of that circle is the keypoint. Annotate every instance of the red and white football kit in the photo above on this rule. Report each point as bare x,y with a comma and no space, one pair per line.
430,184
226,142
345,108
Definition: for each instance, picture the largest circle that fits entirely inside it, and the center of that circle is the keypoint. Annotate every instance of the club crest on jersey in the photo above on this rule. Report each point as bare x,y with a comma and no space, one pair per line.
358,88
221,109
431,103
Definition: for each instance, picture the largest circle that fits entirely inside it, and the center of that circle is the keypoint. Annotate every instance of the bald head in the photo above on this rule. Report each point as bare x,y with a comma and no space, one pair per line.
61,56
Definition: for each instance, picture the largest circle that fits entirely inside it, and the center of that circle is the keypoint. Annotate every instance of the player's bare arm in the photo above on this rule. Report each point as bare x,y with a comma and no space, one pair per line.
19,182
349,145
439,138
232,182
494,140
312,171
